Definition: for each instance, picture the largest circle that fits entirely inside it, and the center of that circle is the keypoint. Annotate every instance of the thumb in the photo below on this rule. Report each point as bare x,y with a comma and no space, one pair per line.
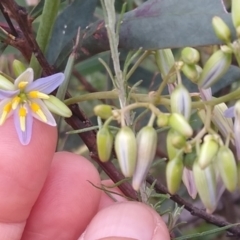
125,221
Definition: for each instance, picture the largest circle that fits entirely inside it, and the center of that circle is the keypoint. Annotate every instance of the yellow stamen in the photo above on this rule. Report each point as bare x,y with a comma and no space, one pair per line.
22,85
16,100
37,94
36,109
22,115
7,108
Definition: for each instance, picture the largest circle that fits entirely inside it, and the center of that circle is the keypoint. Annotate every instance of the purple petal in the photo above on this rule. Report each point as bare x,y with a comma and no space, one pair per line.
8,93
26,76
50,119
24,137
47,84
229,113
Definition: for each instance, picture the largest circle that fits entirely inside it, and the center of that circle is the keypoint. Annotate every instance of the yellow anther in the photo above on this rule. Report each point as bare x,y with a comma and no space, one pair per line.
22,115
22,85
37,94
36,109
6,110
16,100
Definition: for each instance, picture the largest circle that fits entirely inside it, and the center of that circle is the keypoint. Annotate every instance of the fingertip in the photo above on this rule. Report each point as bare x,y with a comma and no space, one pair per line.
127,220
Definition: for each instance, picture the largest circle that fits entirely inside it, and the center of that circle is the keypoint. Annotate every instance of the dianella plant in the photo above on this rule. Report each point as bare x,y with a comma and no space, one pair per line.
151,87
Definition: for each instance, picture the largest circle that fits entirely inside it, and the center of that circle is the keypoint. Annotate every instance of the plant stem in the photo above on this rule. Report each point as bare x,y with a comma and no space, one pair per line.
48,17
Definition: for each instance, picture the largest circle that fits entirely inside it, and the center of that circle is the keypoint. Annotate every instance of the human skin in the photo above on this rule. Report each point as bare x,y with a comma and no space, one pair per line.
47,195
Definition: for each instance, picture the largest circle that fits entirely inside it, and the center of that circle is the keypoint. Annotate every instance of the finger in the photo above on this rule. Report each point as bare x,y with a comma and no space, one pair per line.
23,170
108,198
67,202
128,220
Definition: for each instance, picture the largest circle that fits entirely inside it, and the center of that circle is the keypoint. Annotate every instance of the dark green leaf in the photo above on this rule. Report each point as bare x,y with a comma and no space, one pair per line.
78,14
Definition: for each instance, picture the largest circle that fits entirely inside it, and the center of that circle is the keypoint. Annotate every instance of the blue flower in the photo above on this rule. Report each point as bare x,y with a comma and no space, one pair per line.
25,100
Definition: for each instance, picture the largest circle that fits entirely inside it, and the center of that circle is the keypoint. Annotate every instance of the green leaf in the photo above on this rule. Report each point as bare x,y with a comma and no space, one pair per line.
76,15
196,235
167,24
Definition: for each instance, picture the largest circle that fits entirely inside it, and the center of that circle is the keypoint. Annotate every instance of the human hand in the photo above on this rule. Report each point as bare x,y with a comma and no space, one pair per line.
47,196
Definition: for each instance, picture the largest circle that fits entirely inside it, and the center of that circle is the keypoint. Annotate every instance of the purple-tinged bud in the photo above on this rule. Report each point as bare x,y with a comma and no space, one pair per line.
190,55
205,181
227,168
221,29
103,111
215,67
208,151
146,150
188,181
174,171
126,150
181,101
104,144
236,128
180,124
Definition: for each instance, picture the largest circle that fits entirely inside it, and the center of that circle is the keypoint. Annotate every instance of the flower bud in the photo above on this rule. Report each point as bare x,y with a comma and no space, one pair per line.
57,106
235,10
191,72
165,61
18,67
205,181
162,119
180,124
189,160
104,144
181,101
174,171
227,168
190,55
171,150
5,84
216,66
188,181
126,150
208,151
103,111
178,140
146,150
221,29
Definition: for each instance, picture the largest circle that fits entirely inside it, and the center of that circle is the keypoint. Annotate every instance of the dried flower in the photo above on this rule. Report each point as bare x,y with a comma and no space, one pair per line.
24,99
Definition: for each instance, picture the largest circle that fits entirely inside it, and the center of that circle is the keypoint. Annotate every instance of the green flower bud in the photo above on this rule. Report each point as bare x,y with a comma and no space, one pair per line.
189,160
18,67
57,106
190,55
216,66
165,61
162,120
191,72
180,124
126,150
104,144
171,150
227,168
221,29
5,84
205,181
235,13
174,171
103,111
181,101
178,140
146,150
208,151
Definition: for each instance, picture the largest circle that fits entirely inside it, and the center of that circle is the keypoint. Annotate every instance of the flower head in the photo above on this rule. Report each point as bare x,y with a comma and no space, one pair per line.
24,99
